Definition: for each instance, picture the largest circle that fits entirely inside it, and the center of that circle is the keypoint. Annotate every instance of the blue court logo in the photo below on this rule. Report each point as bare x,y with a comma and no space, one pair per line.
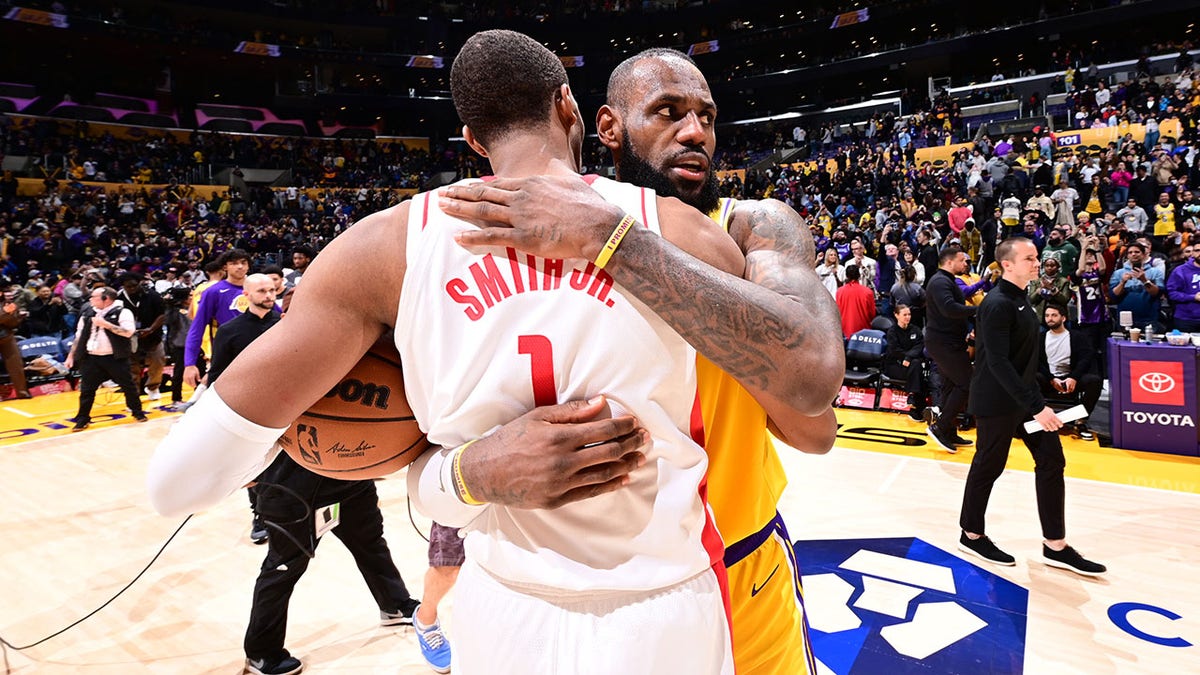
904,606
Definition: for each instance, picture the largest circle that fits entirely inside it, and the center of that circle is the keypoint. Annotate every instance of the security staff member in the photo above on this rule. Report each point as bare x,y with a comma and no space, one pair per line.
287,496
946,329
1005,394
102,349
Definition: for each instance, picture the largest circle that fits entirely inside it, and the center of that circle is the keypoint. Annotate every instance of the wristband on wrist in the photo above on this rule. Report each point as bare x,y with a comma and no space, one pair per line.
614,240
460,485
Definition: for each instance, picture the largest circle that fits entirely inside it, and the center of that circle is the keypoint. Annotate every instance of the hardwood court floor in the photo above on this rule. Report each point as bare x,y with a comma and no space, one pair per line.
76,527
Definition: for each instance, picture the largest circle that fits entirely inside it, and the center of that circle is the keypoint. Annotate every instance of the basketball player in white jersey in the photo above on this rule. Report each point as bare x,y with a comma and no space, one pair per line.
659,124
582,588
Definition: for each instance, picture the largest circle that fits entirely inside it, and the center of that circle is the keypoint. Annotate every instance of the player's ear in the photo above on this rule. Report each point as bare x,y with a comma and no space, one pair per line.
608,127
566,110
474,142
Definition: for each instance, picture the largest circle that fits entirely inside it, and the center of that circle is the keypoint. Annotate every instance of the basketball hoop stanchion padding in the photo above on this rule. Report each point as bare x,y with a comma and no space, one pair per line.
1155,404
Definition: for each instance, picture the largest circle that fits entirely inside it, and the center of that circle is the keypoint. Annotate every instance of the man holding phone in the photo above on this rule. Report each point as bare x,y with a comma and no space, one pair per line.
1137,286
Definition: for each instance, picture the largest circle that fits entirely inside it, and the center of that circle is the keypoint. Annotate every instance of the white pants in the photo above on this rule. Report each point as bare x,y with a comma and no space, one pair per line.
499,630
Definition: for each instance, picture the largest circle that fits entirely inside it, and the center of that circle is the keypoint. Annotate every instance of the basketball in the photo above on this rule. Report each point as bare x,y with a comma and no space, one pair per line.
363,428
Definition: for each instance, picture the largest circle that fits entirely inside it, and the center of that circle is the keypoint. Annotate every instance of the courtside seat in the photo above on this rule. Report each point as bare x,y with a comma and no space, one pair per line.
864,358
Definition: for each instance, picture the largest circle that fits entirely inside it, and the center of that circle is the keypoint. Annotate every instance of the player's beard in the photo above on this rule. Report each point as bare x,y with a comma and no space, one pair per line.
632,168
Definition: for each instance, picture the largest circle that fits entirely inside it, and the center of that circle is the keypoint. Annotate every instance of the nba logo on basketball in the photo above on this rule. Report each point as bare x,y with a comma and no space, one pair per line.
1156,382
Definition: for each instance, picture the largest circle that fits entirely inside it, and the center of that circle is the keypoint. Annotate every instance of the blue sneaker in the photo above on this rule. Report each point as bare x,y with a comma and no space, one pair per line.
435,648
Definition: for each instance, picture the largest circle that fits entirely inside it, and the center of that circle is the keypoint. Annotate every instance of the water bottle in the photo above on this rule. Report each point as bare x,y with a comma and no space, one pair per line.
1149,332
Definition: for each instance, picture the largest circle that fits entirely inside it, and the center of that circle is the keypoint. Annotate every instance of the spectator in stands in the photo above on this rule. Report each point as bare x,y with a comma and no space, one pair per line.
888,266
47,314
1067,365
1183,289
1136,286
905,359
1133,217
868,268
1143,189
855,302
1040,202
831,271
1062,248
909,292
1051,288
302,256
946,333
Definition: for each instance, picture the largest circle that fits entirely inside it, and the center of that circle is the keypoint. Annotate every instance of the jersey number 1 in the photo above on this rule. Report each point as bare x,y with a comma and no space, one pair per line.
541,367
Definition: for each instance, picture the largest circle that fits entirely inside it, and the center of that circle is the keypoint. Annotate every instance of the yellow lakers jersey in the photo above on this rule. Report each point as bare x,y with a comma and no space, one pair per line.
746,478
1165,222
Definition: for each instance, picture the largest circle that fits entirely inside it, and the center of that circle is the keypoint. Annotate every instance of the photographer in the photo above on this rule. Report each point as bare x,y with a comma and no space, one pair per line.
1136,286
177,323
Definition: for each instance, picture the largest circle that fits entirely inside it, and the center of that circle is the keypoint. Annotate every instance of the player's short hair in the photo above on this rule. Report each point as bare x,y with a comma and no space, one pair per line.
853,273
949,252
1007,250
502,80
214,265
621,78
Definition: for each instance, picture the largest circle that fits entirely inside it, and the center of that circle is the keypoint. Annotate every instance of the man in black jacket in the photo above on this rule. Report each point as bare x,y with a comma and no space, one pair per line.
946,330
290,498
1005,395
1067,364
905,358
149,312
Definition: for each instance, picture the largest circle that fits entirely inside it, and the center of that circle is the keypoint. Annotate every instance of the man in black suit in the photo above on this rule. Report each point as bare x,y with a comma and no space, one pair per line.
1067,364
1004,394
947,325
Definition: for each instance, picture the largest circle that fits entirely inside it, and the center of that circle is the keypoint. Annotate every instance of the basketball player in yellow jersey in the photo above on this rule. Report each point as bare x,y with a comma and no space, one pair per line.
778,336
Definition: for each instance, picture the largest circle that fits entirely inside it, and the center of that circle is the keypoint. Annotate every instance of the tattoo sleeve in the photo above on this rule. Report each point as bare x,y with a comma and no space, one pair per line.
777,330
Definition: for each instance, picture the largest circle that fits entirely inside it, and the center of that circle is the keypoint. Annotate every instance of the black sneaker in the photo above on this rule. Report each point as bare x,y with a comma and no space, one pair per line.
1069,559
258,531
288,665
984,549
80,426
916,415
929,415
402,616
141,418
941,441
960,441
1085,433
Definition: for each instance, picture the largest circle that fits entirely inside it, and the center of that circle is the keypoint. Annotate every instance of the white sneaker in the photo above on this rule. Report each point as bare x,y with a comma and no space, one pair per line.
153,394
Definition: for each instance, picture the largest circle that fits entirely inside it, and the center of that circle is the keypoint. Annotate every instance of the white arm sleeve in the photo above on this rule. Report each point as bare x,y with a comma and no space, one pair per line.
431,486
208,454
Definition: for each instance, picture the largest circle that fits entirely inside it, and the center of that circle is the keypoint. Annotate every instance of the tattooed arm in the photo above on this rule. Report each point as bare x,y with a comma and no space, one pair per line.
786,350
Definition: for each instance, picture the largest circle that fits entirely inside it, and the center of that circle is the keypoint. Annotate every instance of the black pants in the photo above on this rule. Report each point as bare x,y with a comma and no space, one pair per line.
994,437
1088,386
954,365
360,529
176,374
914,380
96,369
1096,335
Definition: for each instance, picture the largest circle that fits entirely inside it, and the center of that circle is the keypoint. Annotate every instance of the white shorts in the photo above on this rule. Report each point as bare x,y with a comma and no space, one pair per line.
498,629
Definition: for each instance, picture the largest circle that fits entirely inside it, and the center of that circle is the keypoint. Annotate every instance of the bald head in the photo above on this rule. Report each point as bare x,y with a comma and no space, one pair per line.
637,71
259,290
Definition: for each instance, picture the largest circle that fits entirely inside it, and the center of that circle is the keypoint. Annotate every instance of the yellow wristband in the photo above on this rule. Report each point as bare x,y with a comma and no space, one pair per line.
614,240
459,483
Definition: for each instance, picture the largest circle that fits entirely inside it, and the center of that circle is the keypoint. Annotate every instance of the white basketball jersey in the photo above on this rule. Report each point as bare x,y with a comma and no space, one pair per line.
487,335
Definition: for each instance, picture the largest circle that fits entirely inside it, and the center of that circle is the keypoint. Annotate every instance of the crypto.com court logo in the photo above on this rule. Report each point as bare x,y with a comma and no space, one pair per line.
905,606
1156,382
